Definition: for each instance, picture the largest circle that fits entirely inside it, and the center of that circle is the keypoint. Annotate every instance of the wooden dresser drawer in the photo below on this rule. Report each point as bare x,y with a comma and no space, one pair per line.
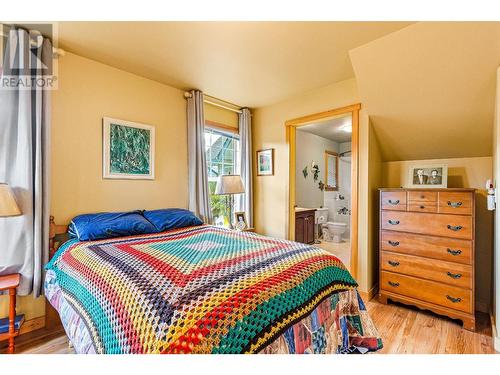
449,249
422,207
393,200
426,290
438,270
454,226
422,196
457,203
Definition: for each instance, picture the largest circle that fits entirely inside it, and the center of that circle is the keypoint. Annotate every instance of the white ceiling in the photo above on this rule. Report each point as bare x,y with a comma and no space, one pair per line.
331,129
429,89
248,63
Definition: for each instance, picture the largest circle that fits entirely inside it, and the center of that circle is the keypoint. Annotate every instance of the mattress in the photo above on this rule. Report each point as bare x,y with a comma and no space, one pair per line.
206,289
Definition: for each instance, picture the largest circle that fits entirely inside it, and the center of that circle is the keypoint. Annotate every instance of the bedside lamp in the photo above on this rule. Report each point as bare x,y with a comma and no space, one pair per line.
229,185
8,205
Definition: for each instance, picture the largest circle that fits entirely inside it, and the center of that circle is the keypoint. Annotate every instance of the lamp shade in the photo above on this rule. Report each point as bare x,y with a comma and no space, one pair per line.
8,205
229,184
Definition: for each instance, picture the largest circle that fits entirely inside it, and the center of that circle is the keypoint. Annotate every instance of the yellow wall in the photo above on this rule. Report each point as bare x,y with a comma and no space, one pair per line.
87,92
271,192
370,179
469,173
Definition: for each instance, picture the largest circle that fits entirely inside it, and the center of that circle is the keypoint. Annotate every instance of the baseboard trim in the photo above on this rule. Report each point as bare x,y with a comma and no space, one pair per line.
367,296
494,333
32,325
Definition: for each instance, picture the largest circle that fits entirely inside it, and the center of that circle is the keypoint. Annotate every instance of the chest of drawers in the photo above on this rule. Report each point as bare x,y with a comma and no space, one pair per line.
427,250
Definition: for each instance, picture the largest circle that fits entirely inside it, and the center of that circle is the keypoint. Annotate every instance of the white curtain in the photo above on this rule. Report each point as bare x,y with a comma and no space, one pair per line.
24,159
245,201
199,195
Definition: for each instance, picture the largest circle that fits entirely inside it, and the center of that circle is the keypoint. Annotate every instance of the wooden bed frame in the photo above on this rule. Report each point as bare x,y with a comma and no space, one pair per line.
52,319
55,230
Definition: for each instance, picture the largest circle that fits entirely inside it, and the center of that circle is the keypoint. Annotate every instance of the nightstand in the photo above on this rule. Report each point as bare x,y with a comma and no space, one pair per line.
10,282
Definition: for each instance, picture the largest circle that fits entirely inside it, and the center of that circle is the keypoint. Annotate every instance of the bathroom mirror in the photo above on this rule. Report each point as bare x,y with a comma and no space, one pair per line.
331,170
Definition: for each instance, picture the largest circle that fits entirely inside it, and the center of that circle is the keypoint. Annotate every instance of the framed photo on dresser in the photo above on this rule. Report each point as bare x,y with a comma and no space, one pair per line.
428,176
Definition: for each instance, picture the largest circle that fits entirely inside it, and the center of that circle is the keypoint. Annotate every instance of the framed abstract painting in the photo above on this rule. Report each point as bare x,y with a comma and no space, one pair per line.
128,150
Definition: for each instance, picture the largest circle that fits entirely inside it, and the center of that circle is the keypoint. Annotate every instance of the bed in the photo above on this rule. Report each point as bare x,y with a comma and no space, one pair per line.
206,289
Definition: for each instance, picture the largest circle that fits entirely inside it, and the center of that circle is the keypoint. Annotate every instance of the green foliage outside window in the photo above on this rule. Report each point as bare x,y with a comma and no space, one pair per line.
221,153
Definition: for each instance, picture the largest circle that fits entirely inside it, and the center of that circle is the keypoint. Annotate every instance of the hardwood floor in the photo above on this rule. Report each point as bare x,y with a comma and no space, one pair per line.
408,330
404,330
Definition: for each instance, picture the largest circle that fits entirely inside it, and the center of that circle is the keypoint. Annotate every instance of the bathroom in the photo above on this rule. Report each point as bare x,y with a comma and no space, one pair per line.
323,181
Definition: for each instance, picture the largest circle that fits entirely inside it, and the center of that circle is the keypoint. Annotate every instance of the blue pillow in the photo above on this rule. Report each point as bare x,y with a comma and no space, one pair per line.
91,227
172,218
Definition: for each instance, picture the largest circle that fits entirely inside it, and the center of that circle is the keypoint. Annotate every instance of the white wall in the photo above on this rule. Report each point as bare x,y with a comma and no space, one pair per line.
344,180
310,147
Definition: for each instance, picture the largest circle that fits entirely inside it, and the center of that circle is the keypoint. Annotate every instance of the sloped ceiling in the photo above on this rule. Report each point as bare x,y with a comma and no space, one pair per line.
248,63
430,89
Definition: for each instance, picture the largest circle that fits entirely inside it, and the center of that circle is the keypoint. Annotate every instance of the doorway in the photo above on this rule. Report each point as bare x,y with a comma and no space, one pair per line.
323,180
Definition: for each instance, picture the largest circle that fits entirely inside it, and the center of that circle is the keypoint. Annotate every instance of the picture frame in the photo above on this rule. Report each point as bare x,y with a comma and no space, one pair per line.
265,162
430,176
240,220
128,150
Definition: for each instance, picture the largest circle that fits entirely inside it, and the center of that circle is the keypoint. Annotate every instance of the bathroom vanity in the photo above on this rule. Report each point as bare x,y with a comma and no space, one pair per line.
304,225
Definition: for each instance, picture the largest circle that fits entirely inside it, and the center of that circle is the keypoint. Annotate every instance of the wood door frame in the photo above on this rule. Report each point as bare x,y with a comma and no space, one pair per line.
291,128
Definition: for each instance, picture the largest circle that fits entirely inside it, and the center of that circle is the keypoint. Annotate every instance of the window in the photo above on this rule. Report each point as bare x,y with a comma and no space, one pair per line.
222,151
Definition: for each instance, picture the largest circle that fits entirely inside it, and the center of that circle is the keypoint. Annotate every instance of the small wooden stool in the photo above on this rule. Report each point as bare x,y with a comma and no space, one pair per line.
10,282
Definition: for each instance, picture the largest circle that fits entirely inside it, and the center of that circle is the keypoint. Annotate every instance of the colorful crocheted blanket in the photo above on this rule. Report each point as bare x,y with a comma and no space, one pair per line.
195,290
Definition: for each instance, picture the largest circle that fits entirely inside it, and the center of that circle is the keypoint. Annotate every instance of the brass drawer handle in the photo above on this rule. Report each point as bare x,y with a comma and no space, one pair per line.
393,202
454,204
393,222
454,252
454,275
454,228
393,243
453,299
392,283
392,263
422,207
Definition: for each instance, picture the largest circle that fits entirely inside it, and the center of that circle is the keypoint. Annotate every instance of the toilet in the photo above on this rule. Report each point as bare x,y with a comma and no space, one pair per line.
333,231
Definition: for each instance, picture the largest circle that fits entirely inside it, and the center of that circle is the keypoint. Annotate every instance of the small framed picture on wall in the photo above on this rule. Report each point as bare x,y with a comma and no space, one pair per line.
265,162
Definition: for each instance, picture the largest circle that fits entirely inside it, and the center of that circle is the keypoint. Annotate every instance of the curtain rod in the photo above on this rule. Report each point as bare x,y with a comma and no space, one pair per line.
56,51
216,102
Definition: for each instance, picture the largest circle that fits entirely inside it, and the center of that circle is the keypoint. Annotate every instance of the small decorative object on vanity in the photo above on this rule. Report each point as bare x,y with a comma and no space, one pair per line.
427,250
